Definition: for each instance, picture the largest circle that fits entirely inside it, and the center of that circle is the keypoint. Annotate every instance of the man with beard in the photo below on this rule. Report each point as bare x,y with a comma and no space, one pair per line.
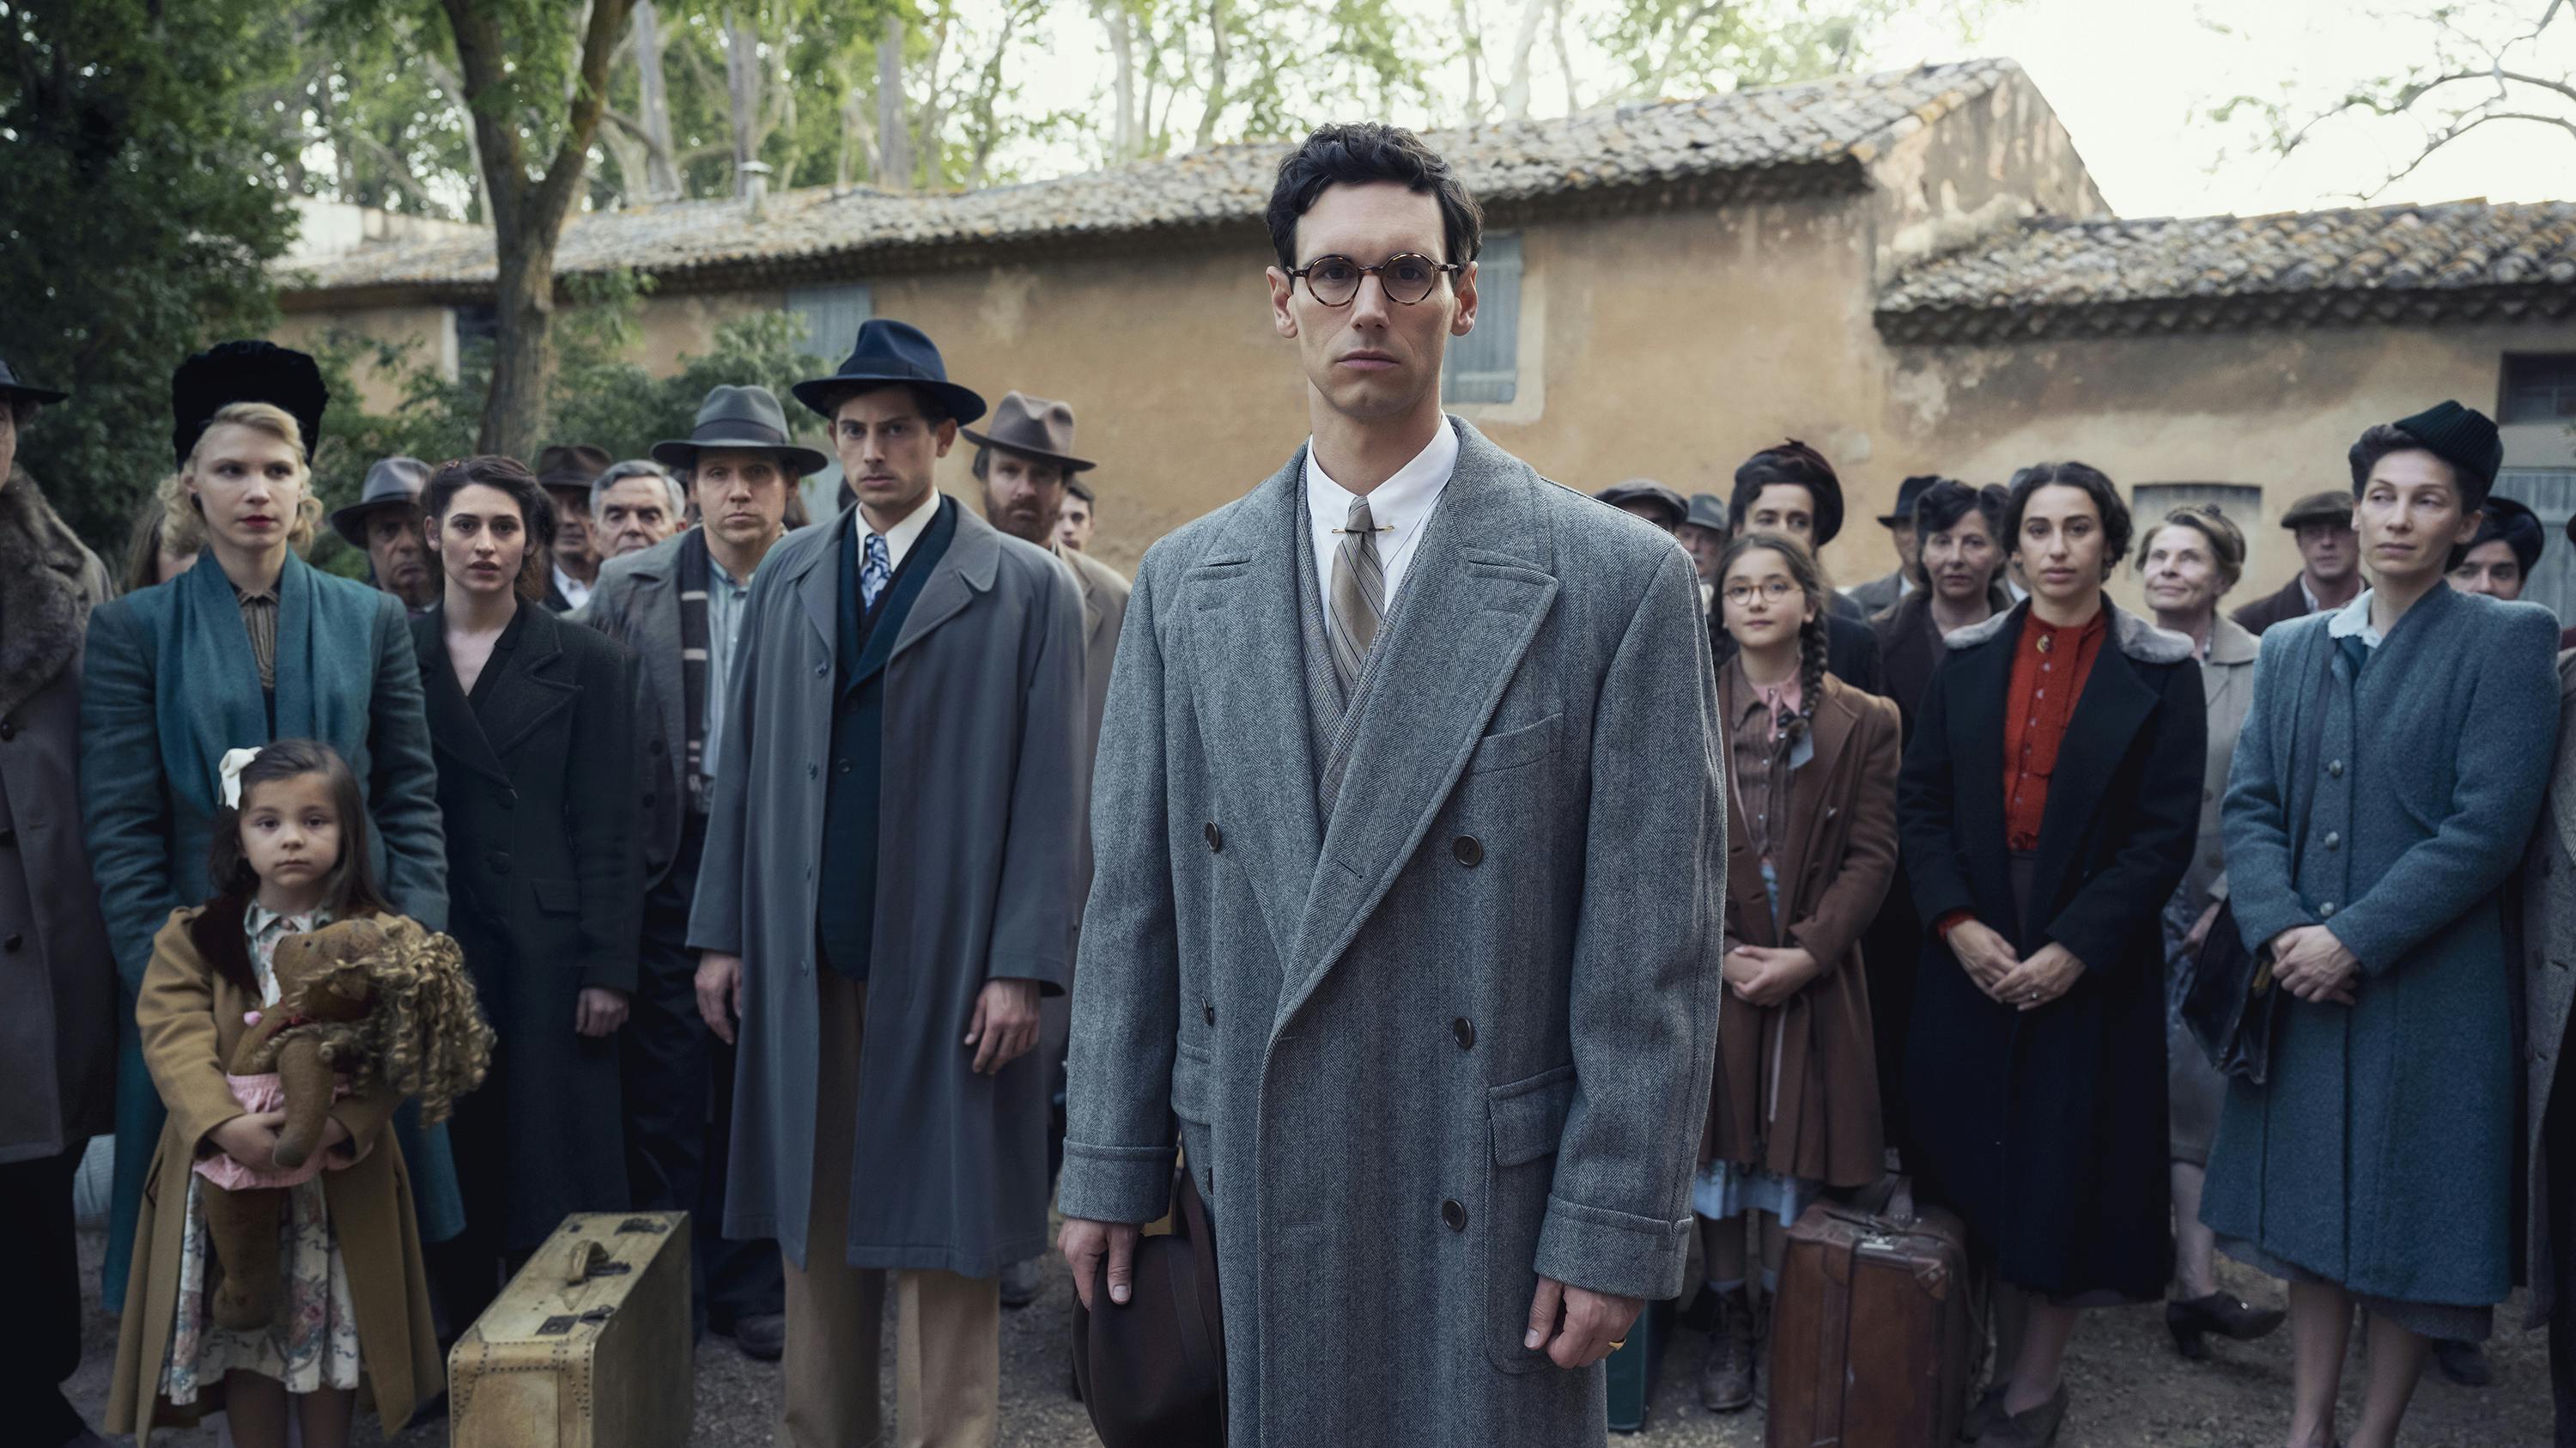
385,521
633,506
566,473
1026,463
679,604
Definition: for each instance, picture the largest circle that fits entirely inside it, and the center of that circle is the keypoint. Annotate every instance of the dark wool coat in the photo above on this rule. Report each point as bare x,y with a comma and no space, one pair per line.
2549,983
2046,1128
545,897
168,685
58,1032
981,800
1455,1031
2289,603
2380,1153
1797,1087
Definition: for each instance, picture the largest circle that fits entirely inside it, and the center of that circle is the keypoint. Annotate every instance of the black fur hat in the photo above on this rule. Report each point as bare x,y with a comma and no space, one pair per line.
231,372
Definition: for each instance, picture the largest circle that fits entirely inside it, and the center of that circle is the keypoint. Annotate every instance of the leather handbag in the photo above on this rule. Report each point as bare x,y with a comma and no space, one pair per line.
2229,1004
1152,1372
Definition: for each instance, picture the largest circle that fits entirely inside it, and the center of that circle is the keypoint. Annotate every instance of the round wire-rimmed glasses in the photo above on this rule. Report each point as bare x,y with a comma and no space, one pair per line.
1408,278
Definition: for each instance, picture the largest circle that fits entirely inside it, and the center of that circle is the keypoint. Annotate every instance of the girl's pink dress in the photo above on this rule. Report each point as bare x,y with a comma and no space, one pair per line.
267,1092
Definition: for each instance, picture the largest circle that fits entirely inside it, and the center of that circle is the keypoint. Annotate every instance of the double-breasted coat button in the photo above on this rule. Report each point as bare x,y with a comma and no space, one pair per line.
1470,853
2326,911
1207,1012
8,839
499,860
812,769
1454,1214
2334,841
8,730
821,669
12,943
1465,1031
2334,769
1215,837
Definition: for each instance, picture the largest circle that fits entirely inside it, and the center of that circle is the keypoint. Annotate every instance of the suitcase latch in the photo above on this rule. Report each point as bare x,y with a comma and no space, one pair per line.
555,1326
638,1224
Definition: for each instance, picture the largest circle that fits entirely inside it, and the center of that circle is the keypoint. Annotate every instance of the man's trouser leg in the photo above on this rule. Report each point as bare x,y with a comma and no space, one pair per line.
40,1345
948,1342
665,1045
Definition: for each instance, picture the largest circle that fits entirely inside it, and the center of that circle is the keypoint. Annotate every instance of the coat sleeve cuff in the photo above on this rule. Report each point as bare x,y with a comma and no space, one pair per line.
1116,1183
1611,1252
1047,970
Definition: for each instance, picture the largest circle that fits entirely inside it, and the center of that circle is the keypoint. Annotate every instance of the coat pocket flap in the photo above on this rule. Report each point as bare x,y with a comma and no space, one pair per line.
559,897
1527,744
1190,1068
1529,1115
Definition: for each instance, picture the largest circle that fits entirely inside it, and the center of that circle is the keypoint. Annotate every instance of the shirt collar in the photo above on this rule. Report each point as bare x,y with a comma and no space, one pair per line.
260,920
906,531
2353,621
1399,505
245,595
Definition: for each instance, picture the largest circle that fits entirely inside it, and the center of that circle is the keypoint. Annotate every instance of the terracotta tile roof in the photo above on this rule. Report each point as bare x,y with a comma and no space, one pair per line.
2455,262
1781,139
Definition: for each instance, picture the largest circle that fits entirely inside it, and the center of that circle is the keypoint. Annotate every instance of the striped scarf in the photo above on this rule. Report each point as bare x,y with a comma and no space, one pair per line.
693,662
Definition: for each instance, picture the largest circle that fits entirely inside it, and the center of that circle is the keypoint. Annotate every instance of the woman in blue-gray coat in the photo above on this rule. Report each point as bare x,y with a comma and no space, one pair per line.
249,646
2387,778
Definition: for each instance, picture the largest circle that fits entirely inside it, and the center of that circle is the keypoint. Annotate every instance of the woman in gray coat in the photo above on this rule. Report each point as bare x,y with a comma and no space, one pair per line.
2187,564
2387,778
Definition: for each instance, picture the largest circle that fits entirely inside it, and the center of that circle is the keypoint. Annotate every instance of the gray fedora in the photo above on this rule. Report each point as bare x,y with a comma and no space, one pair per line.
1707,510
1035,426
745,419
1650,493
389,480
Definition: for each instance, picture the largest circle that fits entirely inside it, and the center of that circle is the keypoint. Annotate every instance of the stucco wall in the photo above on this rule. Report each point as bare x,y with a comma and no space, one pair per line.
430,331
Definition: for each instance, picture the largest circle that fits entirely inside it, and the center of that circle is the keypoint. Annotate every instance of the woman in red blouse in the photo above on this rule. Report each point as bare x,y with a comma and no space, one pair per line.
2048,807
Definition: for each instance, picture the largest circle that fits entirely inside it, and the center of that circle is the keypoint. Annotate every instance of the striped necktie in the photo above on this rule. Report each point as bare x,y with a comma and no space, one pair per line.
873,572
1359,597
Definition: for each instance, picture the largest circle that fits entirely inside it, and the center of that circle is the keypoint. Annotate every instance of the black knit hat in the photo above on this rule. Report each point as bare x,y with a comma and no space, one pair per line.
2461,436
231,372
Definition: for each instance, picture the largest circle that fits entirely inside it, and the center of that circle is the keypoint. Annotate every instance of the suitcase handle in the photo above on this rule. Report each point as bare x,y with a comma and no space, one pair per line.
586,1257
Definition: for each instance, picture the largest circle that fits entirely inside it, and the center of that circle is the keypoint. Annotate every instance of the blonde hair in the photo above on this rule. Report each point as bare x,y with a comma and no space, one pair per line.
181,522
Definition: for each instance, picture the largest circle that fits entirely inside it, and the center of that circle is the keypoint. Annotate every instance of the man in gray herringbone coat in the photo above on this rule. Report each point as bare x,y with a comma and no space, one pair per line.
1409,833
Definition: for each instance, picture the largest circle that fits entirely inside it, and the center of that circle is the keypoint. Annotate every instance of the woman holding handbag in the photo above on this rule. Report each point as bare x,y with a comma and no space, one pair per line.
2367,869
2187,564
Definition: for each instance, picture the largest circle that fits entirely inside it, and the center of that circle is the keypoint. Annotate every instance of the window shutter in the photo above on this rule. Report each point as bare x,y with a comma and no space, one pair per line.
832,317
1484,365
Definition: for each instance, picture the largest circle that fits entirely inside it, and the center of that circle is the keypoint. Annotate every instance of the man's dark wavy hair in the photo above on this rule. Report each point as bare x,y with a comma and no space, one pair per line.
1371,151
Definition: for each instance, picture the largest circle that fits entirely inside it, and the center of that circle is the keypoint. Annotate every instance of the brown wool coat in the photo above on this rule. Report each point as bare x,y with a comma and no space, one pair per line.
1835,853
190,1020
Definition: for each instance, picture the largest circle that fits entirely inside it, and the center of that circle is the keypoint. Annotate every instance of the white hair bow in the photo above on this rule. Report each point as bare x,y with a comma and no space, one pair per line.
228,774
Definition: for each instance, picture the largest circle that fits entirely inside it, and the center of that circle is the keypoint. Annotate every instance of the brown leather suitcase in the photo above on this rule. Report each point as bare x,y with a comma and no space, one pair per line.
587,1347
1873,1332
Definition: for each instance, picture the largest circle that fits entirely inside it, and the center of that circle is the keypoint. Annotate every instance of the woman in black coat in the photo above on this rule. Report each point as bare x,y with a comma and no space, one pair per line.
532,719
2048,807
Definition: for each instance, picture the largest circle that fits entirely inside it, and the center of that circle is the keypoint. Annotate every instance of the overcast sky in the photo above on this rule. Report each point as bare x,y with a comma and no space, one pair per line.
2134,81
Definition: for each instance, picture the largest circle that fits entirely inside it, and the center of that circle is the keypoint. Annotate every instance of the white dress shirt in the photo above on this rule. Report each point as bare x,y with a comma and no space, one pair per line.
1400,507
899,538
575,592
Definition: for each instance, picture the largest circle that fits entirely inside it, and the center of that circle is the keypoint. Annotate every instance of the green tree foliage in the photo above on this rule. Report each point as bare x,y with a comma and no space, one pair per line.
133,225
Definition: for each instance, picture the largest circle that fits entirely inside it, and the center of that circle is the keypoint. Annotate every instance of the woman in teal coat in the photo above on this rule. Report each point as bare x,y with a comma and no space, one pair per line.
2375,1167
175,675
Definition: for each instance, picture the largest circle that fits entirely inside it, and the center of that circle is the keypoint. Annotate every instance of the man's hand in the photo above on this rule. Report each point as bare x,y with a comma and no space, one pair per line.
2312,964
719,992
2033,983
1005,1024
600,1011
1982,954
1083,1243
1577,1326
1778,973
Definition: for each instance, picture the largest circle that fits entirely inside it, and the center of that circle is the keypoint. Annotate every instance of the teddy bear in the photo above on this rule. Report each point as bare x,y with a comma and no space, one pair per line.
362,1002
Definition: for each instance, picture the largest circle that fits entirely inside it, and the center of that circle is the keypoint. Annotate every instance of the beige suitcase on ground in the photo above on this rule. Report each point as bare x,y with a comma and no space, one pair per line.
588,1347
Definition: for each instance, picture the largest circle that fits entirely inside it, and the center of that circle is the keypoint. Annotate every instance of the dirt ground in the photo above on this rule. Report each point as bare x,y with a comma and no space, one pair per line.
2130,1390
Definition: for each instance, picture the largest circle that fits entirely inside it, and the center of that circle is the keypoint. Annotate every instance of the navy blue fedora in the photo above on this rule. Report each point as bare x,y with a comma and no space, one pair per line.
891,352
13,390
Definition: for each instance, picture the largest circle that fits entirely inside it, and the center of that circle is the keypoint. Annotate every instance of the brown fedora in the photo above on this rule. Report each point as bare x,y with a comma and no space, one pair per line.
1152,1372
1032,425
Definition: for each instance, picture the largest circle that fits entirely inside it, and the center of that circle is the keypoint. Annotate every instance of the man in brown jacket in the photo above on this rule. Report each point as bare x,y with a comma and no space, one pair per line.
58,1035
2330,563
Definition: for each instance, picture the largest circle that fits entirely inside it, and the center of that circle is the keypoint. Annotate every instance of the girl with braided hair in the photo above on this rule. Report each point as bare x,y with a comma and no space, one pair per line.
1811,764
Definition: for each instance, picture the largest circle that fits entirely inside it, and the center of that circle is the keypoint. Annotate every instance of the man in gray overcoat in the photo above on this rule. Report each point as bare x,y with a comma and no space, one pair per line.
1398,906
2549,1102
887,891
58,1032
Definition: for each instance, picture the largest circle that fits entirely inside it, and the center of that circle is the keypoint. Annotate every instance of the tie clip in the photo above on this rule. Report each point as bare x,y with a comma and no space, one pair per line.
1380,528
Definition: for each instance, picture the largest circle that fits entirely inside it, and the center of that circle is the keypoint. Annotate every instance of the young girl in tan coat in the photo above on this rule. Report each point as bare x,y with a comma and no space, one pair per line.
289,855
1811,767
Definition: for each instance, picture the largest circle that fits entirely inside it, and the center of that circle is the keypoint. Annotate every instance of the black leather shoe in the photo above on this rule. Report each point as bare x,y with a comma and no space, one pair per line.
2464,1363
2221,1313
761,1335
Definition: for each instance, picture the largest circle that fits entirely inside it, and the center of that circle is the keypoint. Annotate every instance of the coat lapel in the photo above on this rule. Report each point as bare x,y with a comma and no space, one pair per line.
2115,703
1809,787
298,598
1248,682
453,729
533,687
223,702
1472,600
818,585
974,556
2562,787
